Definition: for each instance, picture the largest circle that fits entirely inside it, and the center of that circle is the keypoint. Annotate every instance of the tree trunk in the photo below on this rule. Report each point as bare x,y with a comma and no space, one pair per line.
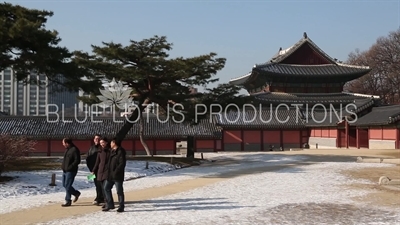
141,135
190,147
128,124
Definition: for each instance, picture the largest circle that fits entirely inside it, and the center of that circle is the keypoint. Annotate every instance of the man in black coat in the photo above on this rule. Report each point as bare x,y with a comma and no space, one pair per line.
70,164
101,167
116,175
90,162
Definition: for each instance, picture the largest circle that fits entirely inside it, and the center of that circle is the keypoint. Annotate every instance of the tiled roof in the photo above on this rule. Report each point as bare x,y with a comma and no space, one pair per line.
271,118
274,70
382,115
335,115
311,71
43,127
276,118
311,98
314,73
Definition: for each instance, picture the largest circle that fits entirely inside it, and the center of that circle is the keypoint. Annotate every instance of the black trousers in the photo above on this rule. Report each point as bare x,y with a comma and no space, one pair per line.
99,191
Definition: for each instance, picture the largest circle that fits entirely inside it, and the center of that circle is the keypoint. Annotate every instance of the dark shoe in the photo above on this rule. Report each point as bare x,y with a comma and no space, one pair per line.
106,209
120,209
99,203
77,196
104,206
66,204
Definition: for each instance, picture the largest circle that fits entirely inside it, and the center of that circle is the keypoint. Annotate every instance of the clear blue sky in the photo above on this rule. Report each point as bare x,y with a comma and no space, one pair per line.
244,32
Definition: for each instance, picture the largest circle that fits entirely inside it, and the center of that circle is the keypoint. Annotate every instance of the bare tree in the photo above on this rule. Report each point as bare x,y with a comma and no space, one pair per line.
384,59
13,148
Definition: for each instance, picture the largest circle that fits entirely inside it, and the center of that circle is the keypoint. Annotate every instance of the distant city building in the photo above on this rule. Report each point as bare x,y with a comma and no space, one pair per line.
17,98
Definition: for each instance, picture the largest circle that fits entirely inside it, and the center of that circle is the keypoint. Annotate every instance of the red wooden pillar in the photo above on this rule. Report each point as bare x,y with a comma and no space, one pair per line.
133,146
346,124
368,136
358,138
242,137
194,144
48,147
154,147
300,138
398,138
175,141
281,138
338,138
215,145
262,140
222,140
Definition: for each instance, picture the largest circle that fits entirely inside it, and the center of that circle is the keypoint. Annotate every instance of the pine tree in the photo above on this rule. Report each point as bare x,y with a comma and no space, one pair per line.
154,77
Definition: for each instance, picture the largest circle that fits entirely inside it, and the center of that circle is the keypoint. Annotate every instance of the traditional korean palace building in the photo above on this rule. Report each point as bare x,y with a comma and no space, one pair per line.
300,90
310,83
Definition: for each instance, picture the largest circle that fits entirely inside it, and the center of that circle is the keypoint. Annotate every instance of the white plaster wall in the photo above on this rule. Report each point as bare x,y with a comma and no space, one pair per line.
382,144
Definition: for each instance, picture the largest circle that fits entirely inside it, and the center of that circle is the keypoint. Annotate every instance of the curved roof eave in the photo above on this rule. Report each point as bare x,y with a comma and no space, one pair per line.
240,80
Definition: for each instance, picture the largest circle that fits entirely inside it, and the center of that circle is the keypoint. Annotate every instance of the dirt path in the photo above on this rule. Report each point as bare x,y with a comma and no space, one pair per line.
84,206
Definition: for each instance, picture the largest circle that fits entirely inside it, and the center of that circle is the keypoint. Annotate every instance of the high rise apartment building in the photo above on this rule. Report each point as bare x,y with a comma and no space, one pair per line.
17,98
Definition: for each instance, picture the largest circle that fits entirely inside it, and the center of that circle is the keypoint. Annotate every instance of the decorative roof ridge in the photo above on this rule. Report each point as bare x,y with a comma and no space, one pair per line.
394,118
319,65
321,94
299,65
264,64
279,57
353,66
361,95
367,104
305,39
281,93
385,107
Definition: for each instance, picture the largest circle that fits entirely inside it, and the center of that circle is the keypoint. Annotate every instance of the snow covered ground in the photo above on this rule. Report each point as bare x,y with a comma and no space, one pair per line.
37,182
309,194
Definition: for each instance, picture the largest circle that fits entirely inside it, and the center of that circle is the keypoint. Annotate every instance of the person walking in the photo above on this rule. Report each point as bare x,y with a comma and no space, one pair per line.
90,162
101,167
70,164
116,175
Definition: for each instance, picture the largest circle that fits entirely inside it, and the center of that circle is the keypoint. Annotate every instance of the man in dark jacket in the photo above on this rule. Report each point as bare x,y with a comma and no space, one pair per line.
70,164
101,167
90,162
116,175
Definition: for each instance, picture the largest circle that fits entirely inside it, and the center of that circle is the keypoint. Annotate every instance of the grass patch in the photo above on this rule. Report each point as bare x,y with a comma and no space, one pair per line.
33,164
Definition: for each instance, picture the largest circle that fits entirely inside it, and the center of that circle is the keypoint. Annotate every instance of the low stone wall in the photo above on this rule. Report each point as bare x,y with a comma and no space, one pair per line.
378,160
